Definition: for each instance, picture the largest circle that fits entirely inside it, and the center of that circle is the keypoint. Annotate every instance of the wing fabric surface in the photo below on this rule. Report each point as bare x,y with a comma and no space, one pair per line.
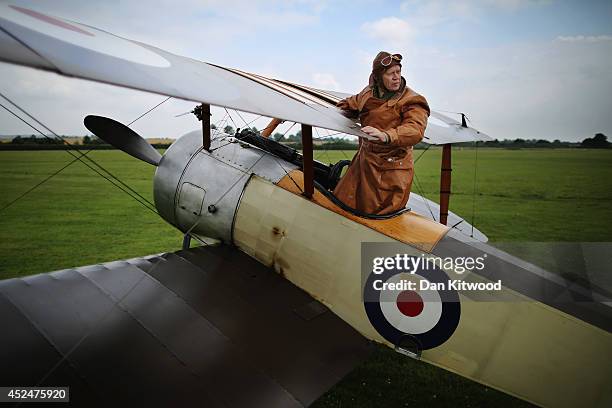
73,49
206,326
69,48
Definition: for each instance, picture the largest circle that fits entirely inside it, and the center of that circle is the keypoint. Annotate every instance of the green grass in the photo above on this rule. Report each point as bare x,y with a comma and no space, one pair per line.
78,218
523,195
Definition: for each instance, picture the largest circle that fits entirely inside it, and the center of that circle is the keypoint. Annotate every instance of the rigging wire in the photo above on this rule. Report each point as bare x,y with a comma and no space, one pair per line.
240,116
220,134
232,119
287,173
422,193
254,120
274,157
342,151
422,153
474,190
147,112
324,150
79,157
290,127
39,184
81,154
72,151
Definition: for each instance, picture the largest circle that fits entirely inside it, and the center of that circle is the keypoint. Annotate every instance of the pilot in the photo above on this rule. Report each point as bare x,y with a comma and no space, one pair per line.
379,177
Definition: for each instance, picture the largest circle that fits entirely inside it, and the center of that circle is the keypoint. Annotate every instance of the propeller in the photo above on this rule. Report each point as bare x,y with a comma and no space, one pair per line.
123,138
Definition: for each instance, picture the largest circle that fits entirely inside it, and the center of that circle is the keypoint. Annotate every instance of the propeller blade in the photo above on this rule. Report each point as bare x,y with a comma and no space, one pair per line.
123,138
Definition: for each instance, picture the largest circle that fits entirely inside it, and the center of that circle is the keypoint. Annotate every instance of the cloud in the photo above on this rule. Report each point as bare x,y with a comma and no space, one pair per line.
391,31
431,13
546,89
583,38
325,81
513,5
189,27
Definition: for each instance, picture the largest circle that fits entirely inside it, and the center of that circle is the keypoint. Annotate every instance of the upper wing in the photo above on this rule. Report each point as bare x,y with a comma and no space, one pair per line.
209,326
443,129
38,40
69,48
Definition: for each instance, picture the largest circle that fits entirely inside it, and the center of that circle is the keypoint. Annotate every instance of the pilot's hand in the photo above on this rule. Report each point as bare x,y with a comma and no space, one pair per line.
380,135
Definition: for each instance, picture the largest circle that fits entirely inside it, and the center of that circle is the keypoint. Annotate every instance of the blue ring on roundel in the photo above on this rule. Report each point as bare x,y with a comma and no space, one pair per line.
437,335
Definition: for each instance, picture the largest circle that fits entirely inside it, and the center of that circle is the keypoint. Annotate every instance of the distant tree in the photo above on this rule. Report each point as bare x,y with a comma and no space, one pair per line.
598,141
542,143
17,140
229,130
213,126
295,138
96,140
279,137
254,129
86,140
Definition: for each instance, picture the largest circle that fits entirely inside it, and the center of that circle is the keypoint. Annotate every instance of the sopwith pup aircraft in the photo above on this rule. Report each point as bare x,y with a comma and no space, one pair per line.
278,304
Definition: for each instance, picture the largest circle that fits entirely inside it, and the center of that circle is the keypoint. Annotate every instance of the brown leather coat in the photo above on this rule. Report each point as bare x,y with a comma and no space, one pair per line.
379,178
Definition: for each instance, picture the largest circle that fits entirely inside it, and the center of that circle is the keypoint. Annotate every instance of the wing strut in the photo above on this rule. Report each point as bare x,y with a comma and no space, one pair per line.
202,112
307,161
271,127
445,182
445,176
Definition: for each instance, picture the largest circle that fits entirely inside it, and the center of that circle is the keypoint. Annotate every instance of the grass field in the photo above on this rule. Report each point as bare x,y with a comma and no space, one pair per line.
78,218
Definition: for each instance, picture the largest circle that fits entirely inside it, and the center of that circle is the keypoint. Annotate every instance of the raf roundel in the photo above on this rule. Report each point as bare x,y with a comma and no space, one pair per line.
86,37
428,317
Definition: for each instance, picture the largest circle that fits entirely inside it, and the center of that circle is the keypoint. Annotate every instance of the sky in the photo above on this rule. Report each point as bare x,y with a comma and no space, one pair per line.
518,68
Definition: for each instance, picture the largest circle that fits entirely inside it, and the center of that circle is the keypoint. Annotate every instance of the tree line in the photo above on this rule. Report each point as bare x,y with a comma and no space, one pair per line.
598,141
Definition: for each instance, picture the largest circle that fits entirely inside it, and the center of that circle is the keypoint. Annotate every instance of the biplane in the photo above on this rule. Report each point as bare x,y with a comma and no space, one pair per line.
275,308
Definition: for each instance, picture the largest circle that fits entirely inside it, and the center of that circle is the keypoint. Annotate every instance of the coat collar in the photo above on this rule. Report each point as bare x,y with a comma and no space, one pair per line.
395,98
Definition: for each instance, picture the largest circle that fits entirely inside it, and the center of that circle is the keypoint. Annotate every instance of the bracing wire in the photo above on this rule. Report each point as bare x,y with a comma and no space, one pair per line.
79,158
422,193
71,150
324,150
134,193
150,110
474,189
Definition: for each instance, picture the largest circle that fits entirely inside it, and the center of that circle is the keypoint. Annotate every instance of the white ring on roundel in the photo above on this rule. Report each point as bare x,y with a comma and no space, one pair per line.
425,321
98,41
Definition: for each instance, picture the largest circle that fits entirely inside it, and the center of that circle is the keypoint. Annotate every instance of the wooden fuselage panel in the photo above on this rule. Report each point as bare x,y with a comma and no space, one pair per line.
515,344
409,228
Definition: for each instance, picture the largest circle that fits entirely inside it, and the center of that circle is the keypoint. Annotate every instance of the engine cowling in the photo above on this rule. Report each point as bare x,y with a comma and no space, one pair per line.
198,191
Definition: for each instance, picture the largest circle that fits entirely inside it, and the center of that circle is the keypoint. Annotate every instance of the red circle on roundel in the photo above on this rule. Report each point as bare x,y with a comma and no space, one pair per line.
410,303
